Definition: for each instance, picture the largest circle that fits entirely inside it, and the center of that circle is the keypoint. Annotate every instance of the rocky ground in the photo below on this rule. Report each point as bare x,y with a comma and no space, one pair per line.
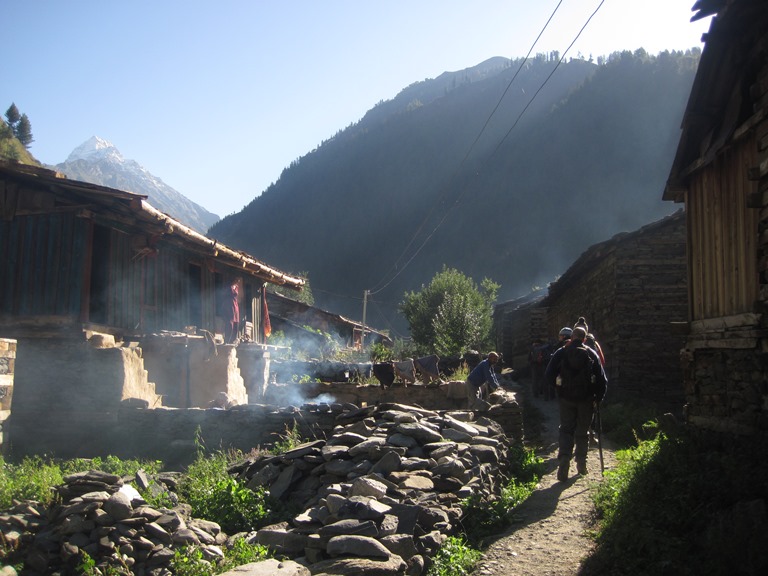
549,538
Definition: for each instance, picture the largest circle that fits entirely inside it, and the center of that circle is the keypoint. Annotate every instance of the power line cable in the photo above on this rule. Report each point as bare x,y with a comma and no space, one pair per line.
376,290
462,193
546,80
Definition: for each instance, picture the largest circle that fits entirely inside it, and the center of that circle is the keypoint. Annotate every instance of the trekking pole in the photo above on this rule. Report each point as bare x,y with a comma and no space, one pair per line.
599,424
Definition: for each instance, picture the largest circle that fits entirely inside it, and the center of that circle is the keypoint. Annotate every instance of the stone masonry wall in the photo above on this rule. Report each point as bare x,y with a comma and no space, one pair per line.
726,391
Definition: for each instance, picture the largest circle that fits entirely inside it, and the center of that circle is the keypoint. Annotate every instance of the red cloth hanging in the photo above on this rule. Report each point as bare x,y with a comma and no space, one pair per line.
265,313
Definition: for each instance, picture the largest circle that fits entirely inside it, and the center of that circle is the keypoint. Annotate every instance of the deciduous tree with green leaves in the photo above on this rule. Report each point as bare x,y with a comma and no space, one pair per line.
452,314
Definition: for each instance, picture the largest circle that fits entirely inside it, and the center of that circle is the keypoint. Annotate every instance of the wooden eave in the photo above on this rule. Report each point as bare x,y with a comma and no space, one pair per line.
131,211
717,107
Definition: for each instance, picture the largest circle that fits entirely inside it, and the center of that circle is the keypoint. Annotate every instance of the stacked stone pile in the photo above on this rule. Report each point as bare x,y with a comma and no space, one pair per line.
378,497
101,515
382,493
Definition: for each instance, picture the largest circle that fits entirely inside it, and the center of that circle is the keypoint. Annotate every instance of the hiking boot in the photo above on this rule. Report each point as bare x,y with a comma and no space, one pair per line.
581,468
562,472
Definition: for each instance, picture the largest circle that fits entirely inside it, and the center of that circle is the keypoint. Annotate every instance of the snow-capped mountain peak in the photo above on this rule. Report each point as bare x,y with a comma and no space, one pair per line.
98,161
95,149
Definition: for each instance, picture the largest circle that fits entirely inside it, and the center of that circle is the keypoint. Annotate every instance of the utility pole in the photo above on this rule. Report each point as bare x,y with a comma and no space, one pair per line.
365,307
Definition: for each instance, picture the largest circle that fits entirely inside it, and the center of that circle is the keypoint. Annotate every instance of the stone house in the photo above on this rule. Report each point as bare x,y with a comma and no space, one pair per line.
632,291
720,174
515,324
110,300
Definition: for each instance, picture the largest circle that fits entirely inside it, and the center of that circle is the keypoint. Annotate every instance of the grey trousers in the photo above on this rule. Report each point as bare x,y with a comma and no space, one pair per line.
575,418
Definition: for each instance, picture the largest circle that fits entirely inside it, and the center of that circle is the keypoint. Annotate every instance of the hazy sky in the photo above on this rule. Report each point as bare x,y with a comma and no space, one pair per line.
217,97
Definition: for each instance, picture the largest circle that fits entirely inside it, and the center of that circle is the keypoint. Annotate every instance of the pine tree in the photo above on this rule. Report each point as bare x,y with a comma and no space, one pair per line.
23,131
12,115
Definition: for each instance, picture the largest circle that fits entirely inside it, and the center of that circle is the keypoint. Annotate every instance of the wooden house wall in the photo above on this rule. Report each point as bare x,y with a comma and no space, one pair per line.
151,292
156,291
43,259
723,235
50,271
724,373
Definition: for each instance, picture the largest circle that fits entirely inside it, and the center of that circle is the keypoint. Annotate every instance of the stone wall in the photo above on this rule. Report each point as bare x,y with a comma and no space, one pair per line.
651,300
66,390
192,371
726,391
7,363
172,434
91,398
632,290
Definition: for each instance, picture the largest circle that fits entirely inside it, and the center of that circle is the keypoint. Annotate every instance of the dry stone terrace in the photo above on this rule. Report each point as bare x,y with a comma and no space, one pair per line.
378,495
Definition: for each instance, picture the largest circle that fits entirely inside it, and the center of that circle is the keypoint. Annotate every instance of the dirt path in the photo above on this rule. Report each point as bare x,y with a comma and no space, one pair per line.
549,535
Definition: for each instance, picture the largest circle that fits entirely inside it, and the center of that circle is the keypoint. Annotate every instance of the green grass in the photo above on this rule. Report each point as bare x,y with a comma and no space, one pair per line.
455,558
207,487
189,560
487,517
624,423
35,477
692,504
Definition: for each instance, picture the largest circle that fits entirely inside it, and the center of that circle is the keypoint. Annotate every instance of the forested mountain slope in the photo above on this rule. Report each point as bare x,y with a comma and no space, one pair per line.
572,155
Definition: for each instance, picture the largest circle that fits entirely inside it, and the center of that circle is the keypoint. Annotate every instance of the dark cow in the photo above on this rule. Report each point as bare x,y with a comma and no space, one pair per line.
384,373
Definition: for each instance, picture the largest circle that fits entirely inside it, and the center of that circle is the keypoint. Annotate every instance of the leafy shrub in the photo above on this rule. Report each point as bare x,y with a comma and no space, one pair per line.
189,560
525,465
215,495
455,558
88,567
32,479
289,440
381,353
244,553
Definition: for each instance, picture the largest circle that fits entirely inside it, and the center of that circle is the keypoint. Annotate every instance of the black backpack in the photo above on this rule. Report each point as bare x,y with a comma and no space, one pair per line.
576,373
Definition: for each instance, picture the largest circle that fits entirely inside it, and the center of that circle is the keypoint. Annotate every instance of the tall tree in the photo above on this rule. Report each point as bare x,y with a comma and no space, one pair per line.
23,131
12,115
451,314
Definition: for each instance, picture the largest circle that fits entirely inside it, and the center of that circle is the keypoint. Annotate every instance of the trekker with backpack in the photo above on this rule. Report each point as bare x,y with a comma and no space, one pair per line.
590,340
563,338
580,387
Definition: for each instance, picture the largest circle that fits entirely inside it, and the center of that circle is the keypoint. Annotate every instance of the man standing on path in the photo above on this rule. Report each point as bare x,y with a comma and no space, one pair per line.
582,386
563,338
483,374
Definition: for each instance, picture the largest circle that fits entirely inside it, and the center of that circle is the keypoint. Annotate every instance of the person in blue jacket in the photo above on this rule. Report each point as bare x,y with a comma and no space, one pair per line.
481,381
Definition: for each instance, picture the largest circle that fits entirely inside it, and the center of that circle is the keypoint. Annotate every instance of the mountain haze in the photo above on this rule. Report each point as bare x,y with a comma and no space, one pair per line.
99,162
574,154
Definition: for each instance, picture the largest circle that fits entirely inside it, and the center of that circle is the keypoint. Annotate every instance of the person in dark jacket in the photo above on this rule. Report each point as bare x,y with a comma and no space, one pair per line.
578,376
590,340
563,338
482,377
